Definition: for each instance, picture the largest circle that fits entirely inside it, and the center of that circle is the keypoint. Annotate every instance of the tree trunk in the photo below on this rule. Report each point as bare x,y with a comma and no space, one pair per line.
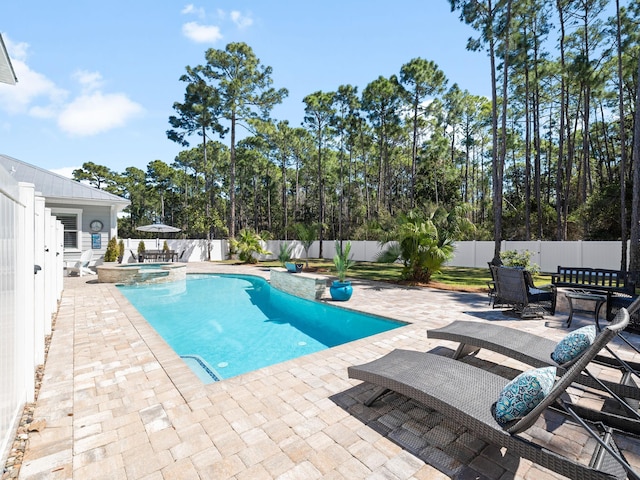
232,179
527,154
499,168
634,249
560,198
623,150
496,172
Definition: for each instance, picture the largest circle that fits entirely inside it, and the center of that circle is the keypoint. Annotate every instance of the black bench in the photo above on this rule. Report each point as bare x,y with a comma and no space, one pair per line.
618,286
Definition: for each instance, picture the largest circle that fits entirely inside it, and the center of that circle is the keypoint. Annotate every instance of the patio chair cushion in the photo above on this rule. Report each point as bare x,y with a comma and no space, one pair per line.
522,394
573,344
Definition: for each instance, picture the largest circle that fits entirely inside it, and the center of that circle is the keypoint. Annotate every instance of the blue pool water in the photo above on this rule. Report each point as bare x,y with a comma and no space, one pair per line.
226,325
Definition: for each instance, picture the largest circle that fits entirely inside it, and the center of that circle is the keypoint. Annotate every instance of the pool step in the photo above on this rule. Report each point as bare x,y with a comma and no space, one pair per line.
201,368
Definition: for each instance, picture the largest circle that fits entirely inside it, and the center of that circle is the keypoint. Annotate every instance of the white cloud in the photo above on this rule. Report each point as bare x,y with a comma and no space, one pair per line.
193,10
89,81
17,51
240,20
94,113
65,171
32,86
201,33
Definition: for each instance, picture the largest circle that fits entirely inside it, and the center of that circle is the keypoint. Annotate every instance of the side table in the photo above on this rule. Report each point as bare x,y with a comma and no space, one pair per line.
599,299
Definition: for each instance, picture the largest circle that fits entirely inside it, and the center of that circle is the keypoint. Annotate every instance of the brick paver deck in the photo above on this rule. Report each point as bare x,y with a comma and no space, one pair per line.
120,404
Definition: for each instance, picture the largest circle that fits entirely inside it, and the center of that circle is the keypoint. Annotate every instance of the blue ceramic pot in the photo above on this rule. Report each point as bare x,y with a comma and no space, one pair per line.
293,267
341,291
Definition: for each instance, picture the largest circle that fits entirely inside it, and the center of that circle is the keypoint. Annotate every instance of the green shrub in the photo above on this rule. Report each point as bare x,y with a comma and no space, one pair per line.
111,253
342,260
120,250
248,244
285,253
513,258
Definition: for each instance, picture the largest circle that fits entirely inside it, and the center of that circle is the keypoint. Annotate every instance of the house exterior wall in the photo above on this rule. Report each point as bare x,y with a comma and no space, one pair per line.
88,213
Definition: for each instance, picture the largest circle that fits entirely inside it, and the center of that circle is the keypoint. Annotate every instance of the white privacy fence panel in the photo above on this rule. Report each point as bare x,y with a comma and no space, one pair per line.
26,304
11,373
547,255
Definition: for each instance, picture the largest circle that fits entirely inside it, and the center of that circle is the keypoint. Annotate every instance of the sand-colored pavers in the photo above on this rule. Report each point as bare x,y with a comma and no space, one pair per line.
120,404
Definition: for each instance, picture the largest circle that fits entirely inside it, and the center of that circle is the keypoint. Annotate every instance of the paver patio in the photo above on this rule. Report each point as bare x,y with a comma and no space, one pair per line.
119,403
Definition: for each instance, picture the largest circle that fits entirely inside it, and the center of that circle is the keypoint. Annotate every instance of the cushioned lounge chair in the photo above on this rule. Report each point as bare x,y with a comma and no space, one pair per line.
467,395
622,412
535,350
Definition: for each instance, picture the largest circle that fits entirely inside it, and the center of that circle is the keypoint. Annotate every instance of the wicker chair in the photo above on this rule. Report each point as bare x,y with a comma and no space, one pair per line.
616,301
494,300
515,288
465,394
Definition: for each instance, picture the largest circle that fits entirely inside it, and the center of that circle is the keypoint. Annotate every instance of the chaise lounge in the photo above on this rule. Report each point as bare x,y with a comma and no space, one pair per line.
535,350
468,395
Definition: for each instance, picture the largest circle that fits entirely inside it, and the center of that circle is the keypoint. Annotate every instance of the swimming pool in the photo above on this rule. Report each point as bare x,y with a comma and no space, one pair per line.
227,325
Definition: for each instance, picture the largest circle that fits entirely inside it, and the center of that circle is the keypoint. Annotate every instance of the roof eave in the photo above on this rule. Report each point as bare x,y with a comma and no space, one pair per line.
7,74
120,205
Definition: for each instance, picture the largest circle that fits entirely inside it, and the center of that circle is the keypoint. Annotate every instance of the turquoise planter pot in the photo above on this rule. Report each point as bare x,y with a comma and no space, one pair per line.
341,291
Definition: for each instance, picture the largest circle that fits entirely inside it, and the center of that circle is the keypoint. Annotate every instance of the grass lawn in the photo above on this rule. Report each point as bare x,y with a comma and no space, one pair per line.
454,278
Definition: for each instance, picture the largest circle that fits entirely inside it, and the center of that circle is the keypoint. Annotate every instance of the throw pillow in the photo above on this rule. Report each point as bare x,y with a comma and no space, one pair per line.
573,344
524,393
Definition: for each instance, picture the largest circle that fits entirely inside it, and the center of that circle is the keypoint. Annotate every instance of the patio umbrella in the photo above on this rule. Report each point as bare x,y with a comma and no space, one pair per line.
158,228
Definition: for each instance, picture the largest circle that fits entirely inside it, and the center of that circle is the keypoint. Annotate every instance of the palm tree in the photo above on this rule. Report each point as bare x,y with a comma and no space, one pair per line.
420,244
306,235
247,244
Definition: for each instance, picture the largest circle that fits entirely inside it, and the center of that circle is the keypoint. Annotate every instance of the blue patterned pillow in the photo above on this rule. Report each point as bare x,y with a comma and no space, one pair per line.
573,344
524,393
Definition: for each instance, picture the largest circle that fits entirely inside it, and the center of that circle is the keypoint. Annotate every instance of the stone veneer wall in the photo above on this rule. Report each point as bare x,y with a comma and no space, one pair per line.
132,274
304,285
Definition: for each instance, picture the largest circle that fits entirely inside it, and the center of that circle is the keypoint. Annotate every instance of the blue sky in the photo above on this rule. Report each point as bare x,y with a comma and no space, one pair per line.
97,80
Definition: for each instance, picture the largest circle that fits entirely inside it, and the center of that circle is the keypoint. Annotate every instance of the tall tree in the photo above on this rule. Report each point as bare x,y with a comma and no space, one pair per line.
634,250
381,100
481,15
346,103
244,88
198,114
421,80
98,176
319,113
623,144
133,186
280,137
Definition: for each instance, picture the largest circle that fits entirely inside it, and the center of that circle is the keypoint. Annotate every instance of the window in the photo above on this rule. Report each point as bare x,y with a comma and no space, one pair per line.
72,221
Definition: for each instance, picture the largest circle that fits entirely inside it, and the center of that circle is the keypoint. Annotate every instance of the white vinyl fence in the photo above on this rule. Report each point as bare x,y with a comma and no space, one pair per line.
30,286
547,255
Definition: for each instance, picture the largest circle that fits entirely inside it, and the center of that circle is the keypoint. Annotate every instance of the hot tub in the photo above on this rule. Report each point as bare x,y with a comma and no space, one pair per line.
132,273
